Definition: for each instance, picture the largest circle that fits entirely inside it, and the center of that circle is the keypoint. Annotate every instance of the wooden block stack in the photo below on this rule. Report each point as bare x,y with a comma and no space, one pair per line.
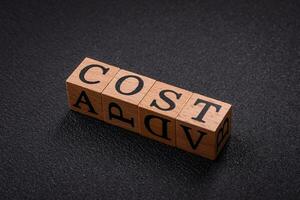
159,111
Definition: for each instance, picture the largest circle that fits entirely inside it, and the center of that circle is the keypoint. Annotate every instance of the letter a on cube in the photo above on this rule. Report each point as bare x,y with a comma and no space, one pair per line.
85,85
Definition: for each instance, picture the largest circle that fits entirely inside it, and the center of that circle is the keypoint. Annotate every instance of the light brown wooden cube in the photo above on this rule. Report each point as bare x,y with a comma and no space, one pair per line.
203,126
85,85
158,111
121,98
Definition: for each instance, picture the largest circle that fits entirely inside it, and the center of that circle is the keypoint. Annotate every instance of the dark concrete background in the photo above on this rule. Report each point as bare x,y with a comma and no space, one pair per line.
246,53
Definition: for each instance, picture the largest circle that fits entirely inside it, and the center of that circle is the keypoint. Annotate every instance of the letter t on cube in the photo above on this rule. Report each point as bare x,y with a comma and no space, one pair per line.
203,126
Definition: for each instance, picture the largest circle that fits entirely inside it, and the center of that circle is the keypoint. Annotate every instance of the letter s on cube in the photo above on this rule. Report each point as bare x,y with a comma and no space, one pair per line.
158,112
85,85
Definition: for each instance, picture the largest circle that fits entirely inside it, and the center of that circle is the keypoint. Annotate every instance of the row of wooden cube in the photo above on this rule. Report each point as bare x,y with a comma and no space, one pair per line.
162,112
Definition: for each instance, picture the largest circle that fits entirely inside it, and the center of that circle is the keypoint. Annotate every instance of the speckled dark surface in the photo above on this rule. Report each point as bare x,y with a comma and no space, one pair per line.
244,53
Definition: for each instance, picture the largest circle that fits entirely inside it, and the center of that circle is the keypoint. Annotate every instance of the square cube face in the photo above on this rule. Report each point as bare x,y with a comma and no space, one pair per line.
203,122
223,132
85,85
158,111
121,97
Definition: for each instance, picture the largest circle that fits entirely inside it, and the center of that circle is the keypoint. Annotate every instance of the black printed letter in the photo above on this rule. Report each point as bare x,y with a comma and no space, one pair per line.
188,135
86,101
84,70
166,99
205,109
136,90
221,134
120,116
164,133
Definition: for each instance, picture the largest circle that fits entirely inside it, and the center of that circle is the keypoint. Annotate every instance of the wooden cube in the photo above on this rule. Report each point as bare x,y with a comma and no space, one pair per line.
203,126
158,111
85,85
121,99
168,114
